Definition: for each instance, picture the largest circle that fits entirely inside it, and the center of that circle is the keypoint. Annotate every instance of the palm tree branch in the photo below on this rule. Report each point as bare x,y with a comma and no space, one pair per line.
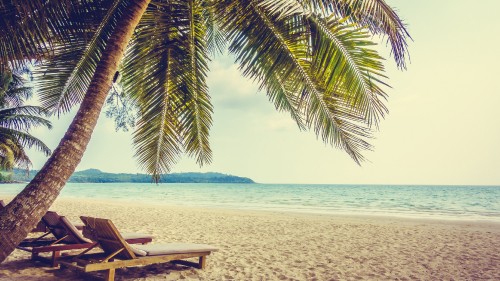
24,139
326,123
380,18
63,80
215,35
154,77
30,28
375,15
355,65
284,99
267,44
199,107
23,118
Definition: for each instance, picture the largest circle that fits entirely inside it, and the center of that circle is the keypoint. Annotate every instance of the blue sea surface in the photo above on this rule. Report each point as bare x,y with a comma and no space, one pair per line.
419,201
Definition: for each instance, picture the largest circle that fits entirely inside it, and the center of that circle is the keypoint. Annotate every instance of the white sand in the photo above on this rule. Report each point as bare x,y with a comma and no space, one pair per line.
283,246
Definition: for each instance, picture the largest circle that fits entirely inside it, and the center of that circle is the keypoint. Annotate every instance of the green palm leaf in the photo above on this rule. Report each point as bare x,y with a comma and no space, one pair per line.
29,28
63,80
215,36
196,114
24,140
267,46
13,92
379,18
23,118
344,63
375,15
154,76
12,153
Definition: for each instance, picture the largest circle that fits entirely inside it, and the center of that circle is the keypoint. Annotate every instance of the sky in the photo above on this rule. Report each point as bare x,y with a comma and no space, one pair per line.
443,125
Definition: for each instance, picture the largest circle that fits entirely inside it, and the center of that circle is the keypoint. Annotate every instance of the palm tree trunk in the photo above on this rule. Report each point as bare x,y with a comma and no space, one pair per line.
27,208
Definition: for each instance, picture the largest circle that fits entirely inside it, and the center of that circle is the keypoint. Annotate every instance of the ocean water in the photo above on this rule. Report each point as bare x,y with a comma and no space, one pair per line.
440,202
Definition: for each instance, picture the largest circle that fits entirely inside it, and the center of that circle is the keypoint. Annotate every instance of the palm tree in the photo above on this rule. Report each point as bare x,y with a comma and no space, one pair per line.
16,120
313,59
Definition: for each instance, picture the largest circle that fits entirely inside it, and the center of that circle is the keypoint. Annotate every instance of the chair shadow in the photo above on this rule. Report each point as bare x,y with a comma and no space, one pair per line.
129,273
16,268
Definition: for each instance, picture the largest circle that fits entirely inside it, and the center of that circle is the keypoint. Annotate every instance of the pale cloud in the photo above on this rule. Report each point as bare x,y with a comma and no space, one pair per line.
226,83
283,123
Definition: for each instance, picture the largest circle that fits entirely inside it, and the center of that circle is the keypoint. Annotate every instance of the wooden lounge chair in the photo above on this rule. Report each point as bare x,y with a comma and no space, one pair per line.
67,238
118,253
50,224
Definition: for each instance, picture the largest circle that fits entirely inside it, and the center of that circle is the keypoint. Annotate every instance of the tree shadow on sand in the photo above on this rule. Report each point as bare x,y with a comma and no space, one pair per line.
27,270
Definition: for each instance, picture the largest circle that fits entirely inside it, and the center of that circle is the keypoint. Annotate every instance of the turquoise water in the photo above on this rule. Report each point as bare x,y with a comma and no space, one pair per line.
441,202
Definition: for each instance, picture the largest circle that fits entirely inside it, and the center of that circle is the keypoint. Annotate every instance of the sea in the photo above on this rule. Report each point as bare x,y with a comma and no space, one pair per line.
477,203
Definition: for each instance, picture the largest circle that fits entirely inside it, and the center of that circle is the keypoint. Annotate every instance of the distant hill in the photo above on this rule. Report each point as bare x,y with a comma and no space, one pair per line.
97,176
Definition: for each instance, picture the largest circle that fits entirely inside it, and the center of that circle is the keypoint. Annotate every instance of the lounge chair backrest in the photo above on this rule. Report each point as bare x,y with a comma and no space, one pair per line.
59,229
73,233
51,220
108,236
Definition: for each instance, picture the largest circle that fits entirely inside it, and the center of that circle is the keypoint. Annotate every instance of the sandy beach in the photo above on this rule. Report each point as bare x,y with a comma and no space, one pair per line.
286,246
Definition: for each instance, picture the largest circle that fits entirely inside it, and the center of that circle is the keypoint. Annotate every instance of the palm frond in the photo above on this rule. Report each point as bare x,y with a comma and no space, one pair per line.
379,18
63,80
23,118
13,89
168,85
375,15
196,114
342,59
7,155
28,28
6,79
24,140
215,36
269,45
11,154
284,8
284,99
154,75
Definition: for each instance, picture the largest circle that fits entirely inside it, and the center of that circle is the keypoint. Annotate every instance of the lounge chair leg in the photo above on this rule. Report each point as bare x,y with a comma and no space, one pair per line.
110,274
202,262
55,255
34,256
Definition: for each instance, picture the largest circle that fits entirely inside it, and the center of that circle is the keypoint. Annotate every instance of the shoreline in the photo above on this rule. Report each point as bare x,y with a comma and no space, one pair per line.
405,203
401,217
361,217
261,245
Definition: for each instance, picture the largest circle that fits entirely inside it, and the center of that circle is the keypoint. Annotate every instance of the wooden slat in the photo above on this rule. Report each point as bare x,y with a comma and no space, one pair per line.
200,264
46,247
61,247
105,231
38,243
142,261
71,265
139,240
110,275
